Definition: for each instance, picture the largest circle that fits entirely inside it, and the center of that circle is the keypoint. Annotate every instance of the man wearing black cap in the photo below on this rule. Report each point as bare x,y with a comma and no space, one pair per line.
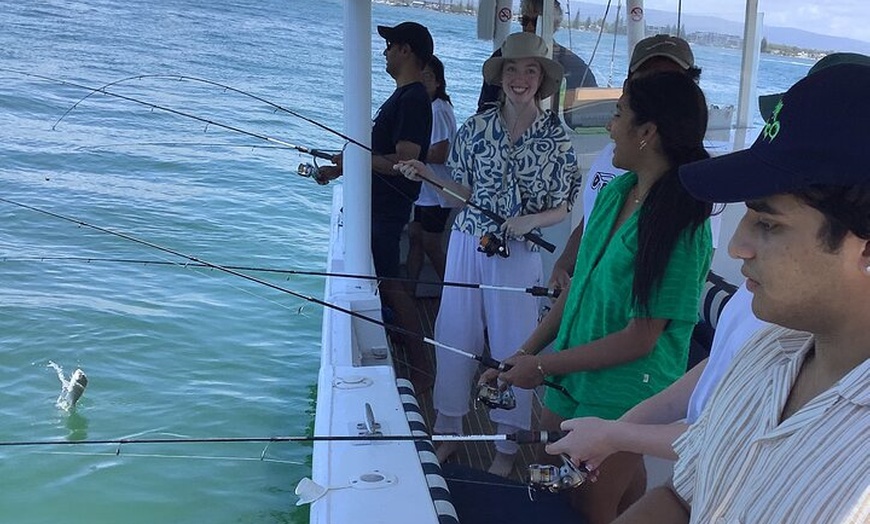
784,437
400,131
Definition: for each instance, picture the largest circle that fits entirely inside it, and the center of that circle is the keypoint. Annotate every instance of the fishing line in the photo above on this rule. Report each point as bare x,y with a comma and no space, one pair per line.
532,237
483,359
163,455
313,152
192,144
458,480
222,86
537,291
304,169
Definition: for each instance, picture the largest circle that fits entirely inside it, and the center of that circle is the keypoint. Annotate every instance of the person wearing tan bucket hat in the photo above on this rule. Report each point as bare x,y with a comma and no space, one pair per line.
525,45
517,161
576,72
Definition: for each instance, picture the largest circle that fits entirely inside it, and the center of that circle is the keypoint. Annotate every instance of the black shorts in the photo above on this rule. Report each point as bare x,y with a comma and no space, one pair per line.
433,219
385,246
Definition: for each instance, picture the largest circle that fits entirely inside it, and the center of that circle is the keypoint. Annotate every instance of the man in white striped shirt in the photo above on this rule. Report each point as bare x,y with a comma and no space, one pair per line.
785,436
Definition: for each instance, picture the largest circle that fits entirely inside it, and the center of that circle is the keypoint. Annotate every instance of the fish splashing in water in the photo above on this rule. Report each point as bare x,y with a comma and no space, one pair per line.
71,390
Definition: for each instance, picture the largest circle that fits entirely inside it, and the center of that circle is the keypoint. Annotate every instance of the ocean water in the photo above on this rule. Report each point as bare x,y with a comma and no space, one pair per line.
174,351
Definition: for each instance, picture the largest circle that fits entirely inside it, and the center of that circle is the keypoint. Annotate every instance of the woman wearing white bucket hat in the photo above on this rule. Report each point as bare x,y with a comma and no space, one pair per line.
517,161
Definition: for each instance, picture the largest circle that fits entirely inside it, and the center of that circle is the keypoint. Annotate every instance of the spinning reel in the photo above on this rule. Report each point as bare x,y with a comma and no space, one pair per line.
492,244
311,171
495,398
554,478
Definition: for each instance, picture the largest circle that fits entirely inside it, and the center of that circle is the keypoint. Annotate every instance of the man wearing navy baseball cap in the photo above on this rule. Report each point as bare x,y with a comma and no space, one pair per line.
416,36
401,130
785,436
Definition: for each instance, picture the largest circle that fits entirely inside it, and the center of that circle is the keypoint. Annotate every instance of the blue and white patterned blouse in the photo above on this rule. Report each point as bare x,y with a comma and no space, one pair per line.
537,173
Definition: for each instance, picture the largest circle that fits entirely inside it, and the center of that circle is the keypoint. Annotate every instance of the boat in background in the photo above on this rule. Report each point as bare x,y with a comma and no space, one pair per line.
358,392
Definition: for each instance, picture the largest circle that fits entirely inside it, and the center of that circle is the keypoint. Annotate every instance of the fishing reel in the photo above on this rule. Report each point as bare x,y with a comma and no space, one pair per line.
308,170
492,244
496,398
547,477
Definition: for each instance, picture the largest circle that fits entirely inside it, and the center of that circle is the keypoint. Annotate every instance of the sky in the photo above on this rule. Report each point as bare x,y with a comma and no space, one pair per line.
847,18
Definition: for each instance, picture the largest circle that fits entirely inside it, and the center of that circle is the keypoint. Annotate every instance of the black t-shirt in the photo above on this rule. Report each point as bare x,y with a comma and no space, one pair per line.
406,115
577,74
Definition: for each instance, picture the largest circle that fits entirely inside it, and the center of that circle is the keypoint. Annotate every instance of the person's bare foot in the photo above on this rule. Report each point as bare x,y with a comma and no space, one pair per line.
502,464
446,450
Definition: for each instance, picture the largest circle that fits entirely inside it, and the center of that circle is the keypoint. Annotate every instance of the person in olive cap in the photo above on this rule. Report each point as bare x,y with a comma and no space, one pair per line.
784,437
400,131
652,54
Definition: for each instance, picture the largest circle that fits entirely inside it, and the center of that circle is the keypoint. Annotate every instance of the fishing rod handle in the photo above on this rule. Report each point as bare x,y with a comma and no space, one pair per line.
539,240
493,363
320,154
536,437
540,291
534,238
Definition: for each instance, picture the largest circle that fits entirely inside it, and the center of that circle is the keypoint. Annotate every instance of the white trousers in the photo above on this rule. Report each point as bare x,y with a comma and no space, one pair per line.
508,318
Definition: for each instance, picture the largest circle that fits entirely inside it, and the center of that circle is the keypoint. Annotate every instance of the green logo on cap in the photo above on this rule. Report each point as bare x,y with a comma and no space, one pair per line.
771,128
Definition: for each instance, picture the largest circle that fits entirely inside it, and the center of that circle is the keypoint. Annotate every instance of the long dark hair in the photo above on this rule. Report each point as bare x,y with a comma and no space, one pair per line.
437,68
676,105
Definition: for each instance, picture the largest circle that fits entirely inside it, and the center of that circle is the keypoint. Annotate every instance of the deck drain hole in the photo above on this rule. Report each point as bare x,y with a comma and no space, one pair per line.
372,477
373,480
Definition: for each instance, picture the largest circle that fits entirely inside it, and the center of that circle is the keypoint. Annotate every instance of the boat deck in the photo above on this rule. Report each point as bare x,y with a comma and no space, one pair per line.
477,455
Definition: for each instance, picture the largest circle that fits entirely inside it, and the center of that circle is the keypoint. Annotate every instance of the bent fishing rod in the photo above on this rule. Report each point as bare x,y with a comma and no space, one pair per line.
485,360
520,437
302,149
226,87
498,219
535,291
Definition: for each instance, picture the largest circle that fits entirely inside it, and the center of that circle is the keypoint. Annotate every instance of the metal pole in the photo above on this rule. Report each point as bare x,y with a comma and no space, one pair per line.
357,179
503,20
748,72
636,23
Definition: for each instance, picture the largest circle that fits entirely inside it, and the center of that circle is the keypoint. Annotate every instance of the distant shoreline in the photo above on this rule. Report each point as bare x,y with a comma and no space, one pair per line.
712,39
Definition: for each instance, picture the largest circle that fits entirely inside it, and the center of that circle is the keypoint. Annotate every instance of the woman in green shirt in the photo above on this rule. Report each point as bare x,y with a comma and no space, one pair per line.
622,329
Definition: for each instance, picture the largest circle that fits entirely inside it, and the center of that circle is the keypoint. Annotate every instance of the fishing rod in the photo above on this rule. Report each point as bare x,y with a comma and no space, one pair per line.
305,170
495,217
536,291
222,86
482,359
316,153
192,144
520,437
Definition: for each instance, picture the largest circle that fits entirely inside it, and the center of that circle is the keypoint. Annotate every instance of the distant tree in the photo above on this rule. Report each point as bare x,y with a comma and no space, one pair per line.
764,44
588,23
576,23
